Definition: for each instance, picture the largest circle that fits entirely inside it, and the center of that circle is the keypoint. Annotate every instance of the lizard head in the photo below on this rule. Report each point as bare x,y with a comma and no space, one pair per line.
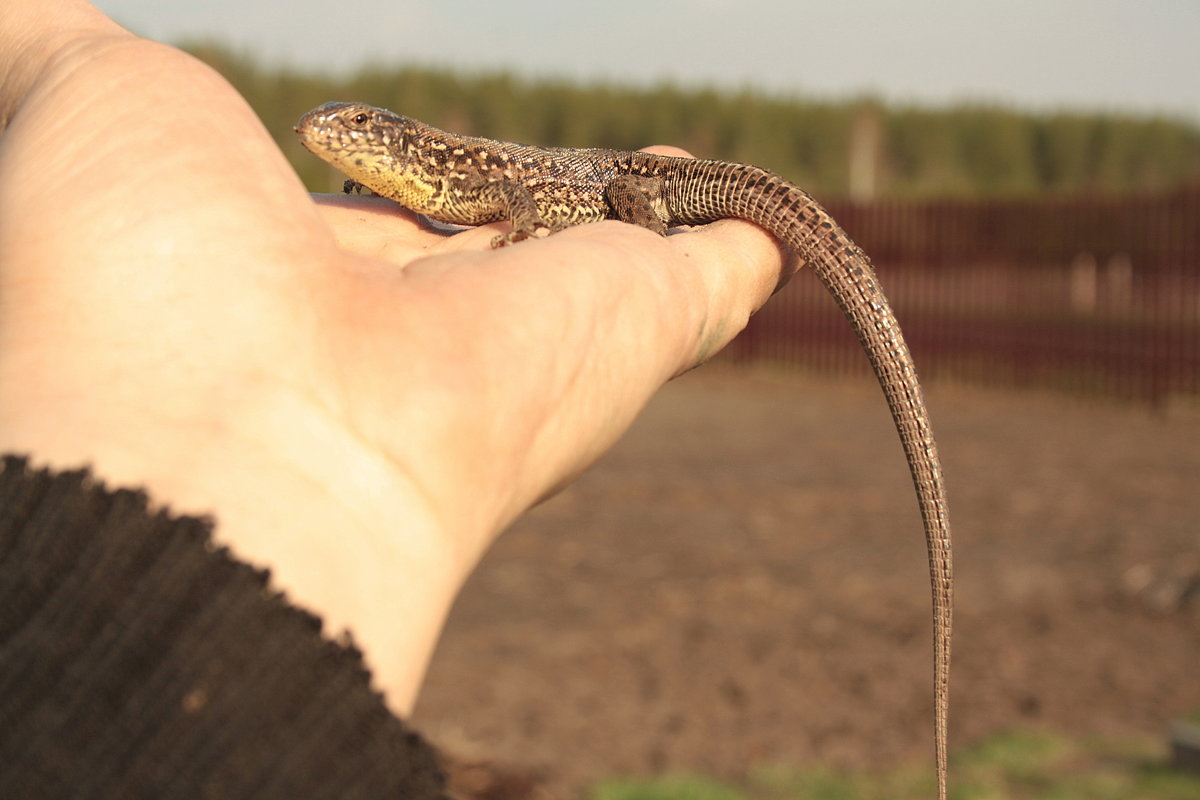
370,145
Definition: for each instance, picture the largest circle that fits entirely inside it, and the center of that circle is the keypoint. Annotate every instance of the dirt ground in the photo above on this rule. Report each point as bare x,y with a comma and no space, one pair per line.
742,582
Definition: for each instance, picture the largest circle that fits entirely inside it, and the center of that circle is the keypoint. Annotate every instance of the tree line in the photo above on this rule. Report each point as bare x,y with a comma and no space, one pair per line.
968,151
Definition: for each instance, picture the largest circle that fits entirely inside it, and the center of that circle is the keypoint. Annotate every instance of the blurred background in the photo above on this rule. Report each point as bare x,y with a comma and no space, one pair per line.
734,602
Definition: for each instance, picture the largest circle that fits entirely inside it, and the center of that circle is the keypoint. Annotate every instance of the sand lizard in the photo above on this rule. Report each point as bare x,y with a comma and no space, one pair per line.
540,190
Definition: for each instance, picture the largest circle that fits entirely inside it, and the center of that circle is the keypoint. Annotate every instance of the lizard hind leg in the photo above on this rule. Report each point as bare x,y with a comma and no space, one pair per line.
639,200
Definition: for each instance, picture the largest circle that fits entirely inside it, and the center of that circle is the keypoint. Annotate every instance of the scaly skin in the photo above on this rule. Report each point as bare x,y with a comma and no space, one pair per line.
540,190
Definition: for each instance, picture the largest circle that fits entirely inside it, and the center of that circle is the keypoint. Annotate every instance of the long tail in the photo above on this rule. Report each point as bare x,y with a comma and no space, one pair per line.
849,277
799,221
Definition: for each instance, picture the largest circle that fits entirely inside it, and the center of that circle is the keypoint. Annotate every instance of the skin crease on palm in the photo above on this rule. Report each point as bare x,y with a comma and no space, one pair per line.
361,403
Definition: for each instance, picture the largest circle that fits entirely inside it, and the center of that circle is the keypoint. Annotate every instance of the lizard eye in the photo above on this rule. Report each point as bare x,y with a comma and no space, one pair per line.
360,118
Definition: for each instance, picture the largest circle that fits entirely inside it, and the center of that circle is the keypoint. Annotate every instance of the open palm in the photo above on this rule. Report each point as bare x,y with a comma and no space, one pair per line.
361,402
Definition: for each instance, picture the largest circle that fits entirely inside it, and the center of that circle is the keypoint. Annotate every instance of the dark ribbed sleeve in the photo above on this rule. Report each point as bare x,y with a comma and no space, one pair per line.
138,660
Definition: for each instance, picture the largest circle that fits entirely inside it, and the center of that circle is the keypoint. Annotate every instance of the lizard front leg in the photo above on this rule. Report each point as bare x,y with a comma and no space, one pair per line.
519,207
639,200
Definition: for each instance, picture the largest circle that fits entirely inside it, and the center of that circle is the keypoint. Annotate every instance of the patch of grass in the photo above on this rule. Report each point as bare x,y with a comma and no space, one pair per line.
1018,765
1024,763
817,784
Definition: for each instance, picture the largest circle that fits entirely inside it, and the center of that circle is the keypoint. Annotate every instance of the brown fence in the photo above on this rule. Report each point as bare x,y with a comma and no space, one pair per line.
1089,295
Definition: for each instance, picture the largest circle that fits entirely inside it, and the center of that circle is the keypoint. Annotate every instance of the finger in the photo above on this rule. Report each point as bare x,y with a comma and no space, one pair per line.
739,265
667,150
741,251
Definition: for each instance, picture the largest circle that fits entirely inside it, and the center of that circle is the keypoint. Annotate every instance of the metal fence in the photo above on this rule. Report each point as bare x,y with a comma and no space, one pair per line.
1099,296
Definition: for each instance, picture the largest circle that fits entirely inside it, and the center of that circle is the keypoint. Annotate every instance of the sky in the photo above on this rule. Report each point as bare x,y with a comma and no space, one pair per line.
1087,55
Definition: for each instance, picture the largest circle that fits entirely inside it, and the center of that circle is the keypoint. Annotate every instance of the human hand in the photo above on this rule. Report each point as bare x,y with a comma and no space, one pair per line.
362,403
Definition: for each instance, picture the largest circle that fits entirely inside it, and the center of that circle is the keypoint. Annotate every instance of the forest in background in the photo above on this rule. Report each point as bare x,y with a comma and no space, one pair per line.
854,148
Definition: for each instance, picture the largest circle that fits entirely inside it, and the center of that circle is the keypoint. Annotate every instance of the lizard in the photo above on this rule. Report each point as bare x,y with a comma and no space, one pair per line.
540,190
